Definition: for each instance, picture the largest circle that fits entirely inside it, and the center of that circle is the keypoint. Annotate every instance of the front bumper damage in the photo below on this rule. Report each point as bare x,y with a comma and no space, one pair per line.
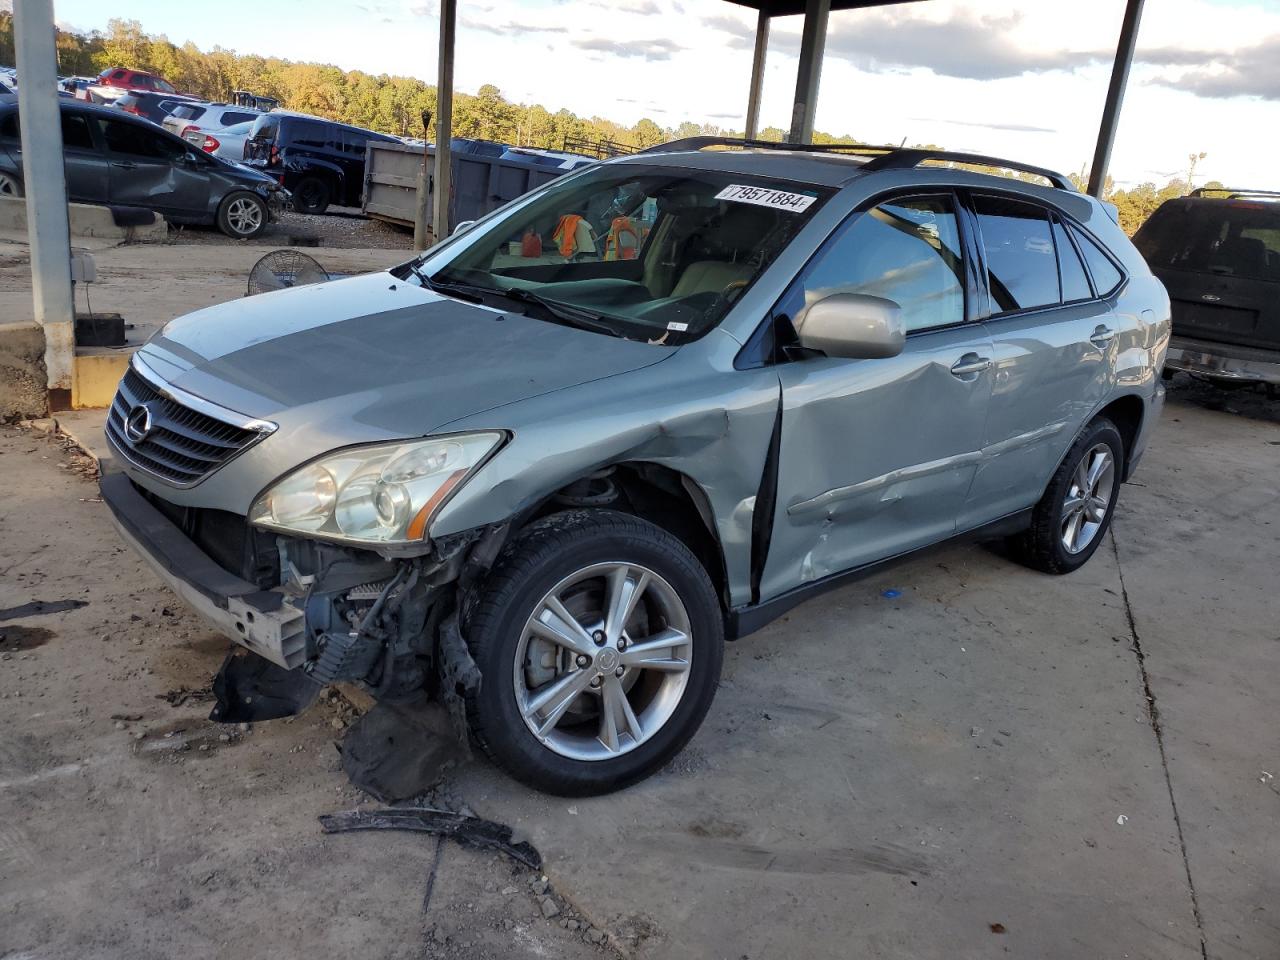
335,614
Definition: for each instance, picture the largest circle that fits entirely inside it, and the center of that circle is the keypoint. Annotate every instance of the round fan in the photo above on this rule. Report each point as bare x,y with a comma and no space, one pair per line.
284,268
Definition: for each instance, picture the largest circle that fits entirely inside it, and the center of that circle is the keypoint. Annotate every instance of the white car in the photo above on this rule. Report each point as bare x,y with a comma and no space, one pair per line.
228,142
192,121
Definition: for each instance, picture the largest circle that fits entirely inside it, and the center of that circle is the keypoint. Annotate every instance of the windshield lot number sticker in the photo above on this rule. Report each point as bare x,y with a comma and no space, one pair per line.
764,197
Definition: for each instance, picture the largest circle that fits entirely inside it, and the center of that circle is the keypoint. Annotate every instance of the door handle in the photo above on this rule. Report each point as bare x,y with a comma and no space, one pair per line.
1102,336
124,164
970,363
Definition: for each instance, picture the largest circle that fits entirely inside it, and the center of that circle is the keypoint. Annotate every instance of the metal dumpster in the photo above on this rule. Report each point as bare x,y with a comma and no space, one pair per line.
485,176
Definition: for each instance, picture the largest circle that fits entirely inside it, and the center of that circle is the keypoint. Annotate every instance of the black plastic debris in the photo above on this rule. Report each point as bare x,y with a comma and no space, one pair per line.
468,831
399,750
251,688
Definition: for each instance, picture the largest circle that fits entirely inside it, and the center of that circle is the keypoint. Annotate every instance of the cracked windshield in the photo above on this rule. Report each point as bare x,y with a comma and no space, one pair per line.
651,254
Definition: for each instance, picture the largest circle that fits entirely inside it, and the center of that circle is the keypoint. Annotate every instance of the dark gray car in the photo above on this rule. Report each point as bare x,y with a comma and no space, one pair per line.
544,470
119,160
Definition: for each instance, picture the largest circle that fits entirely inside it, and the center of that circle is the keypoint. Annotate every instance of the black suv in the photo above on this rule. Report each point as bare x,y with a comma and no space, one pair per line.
1218,254
150,105
319,161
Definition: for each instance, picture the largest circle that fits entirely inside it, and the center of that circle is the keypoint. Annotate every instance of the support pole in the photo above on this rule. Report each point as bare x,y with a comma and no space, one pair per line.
422,208
444,122
40,127
813,42
1115,96
757,76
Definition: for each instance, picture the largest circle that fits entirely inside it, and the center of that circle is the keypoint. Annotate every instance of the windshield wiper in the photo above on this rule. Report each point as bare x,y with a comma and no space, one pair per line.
574,316
461,291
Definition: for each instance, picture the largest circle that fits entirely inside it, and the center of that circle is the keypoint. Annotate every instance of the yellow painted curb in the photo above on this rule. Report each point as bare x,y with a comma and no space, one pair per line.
95,379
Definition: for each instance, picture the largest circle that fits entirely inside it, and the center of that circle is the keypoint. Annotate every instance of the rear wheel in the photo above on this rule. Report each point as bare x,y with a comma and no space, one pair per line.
599,639
242,216
311,195
10,186
1069,522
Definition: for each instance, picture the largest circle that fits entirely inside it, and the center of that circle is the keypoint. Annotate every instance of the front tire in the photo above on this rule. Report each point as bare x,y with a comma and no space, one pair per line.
242,216
1071,519
599,639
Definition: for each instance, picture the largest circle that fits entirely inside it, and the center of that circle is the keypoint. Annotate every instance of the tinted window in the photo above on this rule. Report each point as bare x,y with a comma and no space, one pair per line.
907,251
309,134
164,86
75,131
1075,282
353,142
1105,275
1228,237
118,75
1021,265
9,126
187,112
231,117
138,141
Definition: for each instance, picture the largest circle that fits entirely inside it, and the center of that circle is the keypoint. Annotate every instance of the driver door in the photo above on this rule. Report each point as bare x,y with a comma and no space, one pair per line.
877,456
153,170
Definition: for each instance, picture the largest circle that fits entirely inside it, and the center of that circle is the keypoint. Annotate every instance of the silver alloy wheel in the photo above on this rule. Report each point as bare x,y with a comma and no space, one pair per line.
1088,498
244,215
603,661
9,187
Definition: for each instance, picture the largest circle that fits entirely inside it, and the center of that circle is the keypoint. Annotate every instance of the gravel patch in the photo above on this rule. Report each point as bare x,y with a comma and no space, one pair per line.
340,227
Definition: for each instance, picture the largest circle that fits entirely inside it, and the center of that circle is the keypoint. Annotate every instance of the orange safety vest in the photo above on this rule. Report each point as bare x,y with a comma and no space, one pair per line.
566,234
614,248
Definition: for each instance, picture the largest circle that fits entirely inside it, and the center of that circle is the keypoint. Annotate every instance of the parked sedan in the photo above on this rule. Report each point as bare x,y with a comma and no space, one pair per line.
116,159
227,143
192,120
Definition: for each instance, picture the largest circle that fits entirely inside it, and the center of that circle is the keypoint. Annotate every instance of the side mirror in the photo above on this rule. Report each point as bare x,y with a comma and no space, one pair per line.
464,226
853,326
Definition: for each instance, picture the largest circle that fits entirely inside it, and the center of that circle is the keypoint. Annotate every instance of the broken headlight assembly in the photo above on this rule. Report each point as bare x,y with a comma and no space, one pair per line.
384,493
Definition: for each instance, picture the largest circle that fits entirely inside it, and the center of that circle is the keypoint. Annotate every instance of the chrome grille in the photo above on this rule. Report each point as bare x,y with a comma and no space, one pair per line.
183,445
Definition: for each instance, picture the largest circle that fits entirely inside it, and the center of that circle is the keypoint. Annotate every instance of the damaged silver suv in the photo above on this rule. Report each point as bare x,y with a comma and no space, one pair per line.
543,471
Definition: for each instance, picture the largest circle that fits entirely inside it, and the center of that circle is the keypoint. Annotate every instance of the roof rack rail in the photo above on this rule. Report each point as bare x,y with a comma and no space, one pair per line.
1232,193
881,157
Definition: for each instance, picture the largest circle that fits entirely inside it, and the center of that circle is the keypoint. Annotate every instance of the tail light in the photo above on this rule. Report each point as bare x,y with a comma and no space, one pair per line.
188,130
275,154
210,144
132,108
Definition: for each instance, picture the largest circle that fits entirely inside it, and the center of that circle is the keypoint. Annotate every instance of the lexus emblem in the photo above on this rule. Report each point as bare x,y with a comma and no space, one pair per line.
137,425
1211,297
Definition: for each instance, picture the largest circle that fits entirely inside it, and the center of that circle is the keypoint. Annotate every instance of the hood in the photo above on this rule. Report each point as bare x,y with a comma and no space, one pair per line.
382,356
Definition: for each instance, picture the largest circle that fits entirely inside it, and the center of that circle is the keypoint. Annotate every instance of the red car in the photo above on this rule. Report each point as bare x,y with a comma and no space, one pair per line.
115,82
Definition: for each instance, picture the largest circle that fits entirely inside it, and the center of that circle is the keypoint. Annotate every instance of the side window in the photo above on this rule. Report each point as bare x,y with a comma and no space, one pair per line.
906,250
75,131
232,117
1075,282
9,126
1105,275
1021,265
137,141
311,135
353,143
119,75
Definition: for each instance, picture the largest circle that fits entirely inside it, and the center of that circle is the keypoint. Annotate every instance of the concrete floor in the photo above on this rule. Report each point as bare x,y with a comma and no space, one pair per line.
965,770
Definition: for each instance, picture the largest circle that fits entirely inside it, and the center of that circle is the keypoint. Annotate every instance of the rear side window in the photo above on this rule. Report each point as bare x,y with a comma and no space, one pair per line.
353,142
119,75
1105,275
1021,264
309,134
188,112
231,117
906,250
1075,282
9,126
75,131
164,86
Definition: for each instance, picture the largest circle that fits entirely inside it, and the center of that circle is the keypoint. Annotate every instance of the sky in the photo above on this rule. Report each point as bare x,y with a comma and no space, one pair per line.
1019,80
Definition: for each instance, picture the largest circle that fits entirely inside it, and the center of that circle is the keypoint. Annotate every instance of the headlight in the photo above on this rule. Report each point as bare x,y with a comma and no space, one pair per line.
385,493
